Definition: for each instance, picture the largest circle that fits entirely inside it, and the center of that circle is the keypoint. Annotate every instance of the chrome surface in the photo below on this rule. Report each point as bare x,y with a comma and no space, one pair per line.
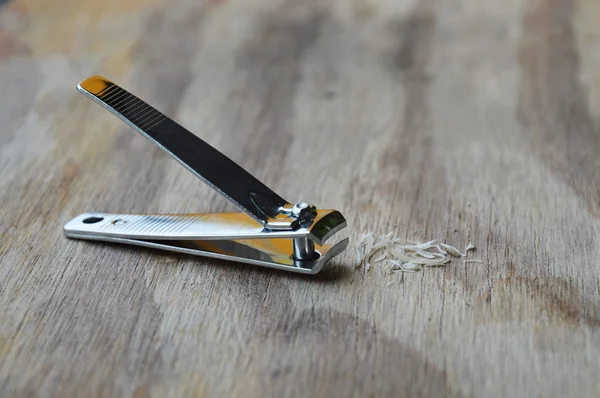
214,168
270,253
217,226
270,232
304,212
303,249
228,236
299,208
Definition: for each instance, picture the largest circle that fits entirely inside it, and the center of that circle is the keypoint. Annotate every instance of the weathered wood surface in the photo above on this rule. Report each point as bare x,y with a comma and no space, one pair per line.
451,119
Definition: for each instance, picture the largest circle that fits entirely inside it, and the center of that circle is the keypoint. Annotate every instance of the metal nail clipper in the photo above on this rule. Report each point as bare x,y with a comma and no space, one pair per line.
269,232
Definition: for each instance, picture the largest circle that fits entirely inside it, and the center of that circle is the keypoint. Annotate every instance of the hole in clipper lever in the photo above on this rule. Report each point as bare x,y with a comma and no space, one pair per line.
92,220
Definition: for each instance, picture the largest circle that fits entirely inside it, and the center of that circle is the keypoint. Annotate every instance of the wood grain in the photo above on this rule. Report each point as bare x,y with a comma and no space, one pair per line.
457,120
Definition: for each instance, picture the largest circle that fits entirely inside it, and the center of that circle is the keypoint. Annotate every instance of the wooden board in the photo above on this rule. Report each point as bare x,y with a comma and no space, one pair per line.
457,120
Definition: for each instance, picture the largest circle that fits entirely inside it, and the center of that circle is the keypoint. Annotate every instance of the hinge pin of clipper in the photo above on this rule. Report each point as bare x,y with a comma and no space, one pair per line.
304,248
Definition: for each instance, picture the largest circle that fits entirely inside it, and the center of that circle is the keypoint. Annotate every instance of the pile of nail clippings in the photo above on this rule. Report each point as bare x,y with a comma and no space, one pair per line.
411,257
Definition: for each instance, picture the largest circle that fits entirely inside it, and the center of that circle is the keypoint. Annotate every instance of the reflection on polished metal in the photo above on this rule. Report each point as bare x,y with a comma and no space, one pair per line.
304,249
270,232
